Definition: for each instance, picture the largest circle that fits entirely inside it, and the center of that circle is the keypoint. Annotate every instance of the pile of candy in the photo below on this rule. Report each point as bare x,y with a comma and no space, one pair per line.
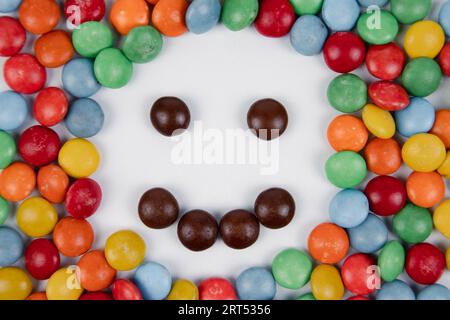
322,26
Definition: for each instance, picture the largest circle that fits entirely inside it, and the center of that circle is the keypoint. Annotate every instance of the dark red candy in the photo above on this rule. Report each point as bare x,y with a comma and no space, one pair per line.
344,52
355,298
80,11
216,289
386,194
39,146
50,106
96,296
275,18
388,95
357,276
425,263
123,289
444,59
12,36
41,259
385,61
23,73
83,198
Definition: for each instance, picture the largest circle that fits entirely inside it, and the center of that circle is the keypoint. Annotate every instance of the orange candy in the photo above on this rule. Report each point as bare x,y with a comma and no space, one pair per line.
152,1
39,16
54,49
328,243
73,237
441,126
17,182
383,156
168,17
425,189
127,14
52,183
37,296
95,272
347,133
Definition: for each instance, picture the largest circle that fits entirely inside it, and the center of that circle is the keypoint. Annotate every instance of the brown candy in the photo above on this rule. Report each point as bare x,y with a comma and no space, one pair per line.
197,230
158,208
275,208
268,119
239,229
170,116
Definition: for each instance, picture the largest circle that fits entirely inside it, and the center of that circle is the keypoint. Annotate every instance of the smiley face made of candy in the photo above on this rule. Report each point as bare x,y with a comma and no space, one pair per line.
390,162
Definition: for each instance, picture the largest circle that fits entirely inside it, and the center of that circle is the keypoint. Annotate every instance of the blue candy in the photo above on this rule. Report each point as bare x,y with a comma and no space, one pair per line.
349,208
444,18
368,3
308,35
153,280
340,15
13,110
7,6
434,292
395,290
79,79
370,236
85,118
202,15
418,117
256,284
11,246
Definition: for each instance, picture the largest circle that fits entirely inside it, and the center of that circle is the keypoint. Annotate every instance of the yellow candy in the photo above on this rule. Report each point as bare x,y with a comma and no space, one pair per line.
183,290
64,284
326,283
444,169
15,284
79,158
378,121
424,39
447,257
424,152
36,217
441,218
125,250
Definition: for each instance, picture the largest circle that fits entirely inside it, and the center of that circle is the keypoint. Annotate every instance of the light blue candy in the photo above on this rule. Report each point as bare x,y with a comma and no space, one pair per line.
395,290
434,292
85,118
349,208
308,35
418,117
11,246
340,15
7,6
203,15
444,18
79,79
13,110
153,280
368,3
370,236
256,284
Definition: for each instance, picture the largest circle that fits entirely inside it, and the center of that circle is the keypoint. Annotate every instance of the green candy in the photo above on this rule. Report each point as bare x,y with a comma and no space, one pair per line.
302,7
346,169
142,44
91,38
306,296
239,14
410,11
7,149
413,224
377,29
347,93
391,261
292,268
421,77
4,210
112,69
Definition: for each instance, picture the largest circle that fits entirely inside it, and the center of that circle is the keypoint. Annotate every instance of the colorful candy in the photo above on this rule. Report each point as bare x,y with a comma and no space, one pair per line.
344,52
308,35
52,183
73,237
202,15
85,118
425,263
347,133
357,275
410,11
413,224
36,217
378,121
370,236
326,283
275,18
123,289
39,146
91,38
17,182
4,210
306,7
395,290
79,158
391,260
340,16
12,36
349,208
79,79
424,152
83,198
238,15
125,250
418,117
441,127
95,272
388,95
13,110
7,6
54,49
183,290
434,292
128,14
425,189
96,296
15,284
383,156
386,61
41,259
153,280
7,149
168,17
39,16
444,17
112,69
382,31
421,77
256,284
11,246
142,44
24,74
346,169
80,11
386,195
291,268
347,93
328,243
441,218
424,39
64,285
216,289
50,106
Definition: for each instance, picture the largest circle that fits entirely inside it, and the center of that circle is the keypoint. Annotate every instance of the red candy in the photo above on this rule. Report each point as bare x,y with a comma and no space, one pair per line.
12,36
357,276
344,52
389,95
355,298
425,263
50,106
41,259
216,289
386,194
275,18
444,59
23,73
80,11
83,198
386,61
38,145
125,290
96,296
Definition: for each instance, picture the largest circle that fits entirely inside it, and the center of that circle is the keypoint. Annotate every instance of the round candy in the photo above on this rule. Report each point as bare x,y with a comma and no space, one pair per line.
434,292
368,3
39,145
154,281
41,259
410,11
328,243
307,296
158,208
370,236
123,289
170,116
79,79
358,298
424,39
128,14
447,257
54,49
340,15
383,156
37,296
7,149
39,16
238,15
239,229
268,119
291,268
202,15
85,118
73,237
64,285
52,183
197,230
346,169
79,158
344,52
7,6
13,110
308,35
12,36
275,208
256,284
216,289
385,61
386,194
17,182
168,17
95,272
444,59
96,296
347,133
15,284
83,199
349,208
441,127
23,73
425,189
326,283
395,290
444,18
413,224
142,44
388,95
36,217
275,18
347,93
357,276
80,11
11,246
444,169
418,117
425,263
4,210
112,69
92,37
381,30
424,152
50,106
378,121
421,77
125,250
441,218
183,290
391,260
306,7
